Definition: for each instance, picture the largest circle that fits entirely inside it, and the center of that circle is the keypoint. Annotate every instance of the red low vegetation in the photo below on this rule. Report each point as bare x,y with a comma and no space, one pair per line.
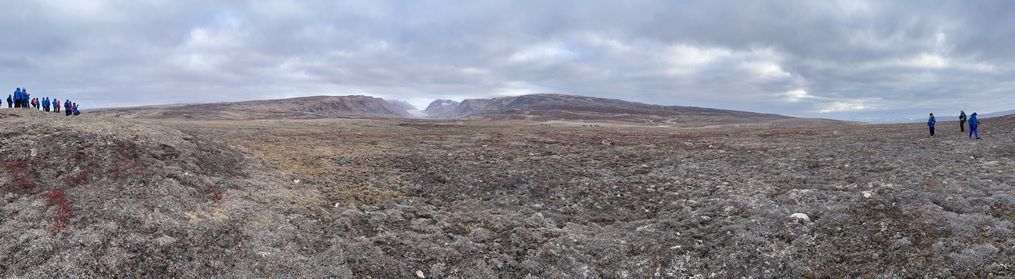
58,199
19,170
77,180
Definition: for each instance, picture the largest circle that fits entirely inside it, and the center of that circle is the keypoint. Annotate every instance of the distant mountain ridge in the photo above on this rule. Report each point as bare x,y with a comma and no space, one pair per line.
292,108
440,107
560,107
535,107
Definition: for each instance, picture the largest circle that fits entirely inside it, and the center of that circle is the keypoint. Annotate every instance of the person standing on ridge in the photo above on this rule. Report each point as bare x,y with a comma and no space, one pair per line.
56,105
962,120
66,108
973,124
17,97
9,105
930,123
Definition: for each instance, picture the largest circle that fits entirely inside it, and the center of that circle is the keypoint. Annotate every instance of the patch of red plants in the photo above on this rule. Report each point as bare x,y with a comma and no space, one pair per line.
77,180
19,170
58,199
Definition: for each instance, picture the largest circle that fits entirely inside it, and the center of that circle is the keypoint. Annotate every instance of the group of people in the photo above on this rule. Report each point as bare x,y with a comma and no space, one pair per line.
973,124
21,99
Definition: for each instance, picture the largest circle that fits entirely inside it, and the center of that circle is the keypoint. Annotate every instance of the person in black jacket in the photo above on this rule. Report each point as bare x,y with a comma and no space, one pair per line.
962,120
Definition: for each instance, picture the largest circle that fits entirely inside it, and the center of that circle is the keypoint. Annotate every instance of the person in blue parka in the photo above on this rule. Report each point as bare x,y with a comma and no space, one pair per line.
930,123
76,109
45,104
67,108
973,124
17,97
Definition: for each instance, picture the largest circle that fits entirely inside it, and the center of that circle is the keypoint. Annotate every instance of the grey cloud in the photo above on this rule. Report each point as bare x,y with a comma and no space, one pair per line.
857,60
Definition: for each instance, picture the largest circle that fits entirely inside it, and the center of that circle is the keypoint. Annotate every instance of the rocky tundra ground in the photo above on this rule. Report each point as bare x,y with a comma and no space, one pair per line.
91,196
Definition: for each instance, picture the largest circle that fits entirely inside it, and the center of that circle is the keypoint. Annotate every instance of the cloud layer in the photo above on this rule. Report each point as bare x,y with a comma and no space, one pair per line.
857,60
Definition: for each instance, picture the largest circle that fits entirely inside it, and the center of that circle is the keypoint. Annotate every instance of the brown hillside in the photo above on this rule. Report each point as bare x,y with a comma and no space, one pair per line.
558,107
440,107
293,108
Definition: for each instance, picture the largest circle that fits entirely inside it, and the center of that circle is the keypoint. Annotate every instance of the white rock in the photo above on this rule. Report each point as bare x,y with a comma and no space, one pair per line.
419,273
336,204
867,194
297,181
801,217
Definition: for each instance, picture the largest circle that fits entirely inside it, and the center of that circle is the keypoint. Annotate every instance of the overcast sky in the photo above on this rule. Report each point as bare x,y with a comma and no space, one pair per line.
872,61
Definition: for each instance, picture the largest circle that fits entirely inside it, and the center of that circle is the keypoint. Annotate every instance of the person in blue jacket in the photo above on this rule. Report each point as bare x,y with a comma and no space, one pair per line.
930,123
973,124
76,109
17,97
45,104
67,108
